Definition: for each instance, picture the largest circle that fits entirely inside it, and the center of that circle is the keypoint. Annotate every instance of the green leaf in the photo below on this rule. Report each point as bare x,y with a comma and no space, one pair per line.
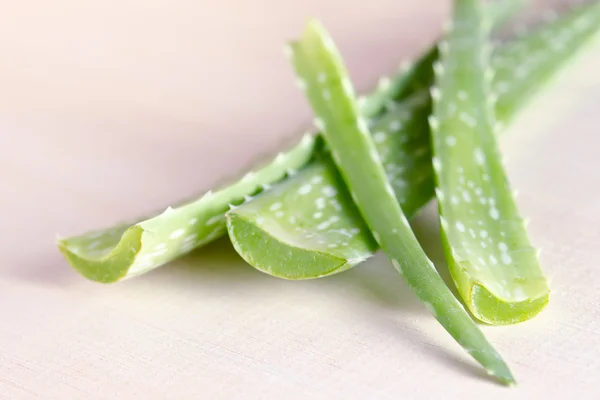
131,249
331,95
311,226
490,257
401,137
103,256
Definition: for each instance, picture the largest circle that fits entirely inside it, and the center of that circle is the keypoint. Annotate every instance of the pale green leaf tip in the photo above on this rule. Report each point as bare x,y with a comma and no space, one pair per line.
506,378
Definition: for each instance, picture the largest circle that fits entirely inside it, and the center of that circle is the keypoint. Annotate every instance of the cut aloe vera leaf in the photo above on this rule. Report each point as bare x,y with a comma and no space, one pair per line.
331,95
133,248
402,140
114,253
489,255
311,220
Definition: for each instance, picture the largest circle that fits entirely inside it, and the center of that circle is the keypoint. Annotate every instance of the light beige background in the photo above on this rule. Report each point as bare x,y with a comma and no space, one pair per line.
109,109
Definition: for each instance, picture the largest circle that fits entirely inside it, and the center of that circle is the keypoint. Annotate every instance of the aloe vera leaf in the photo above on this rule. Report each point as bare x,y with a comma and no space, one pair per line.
113,253
131,249
402,140
331,95
490,257
309,211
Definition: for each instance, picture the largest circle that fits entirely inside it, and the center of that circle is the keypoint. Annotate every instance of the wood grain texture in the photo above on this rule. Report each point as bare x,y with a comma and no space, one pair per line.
108,111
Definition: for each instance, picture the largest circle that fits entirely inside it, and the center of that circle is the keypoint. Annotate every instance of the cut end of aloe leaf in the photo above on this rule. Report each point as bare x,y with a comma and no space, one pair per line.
506,311
130,249
271,255
303,228
126,250
113,259
497,275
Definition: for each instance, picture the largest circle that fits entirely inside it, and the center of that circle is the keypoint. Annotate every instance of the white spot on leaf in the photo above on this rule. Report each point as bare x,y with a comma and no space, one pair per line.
466,196
494,213
176,234
329,191
320,203
434,123
304,189
379,137
437,165
395,126
316,179
479,156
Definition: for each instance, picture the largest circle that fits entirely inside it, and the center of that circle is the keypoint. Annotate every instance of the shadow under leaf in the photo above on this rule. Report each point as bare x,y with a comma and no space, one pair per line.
375,281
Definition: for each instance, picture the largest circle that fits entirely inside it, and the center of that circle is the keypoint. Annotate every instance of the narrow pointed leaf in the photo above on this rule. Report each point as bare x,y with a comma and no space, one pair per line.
331,95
